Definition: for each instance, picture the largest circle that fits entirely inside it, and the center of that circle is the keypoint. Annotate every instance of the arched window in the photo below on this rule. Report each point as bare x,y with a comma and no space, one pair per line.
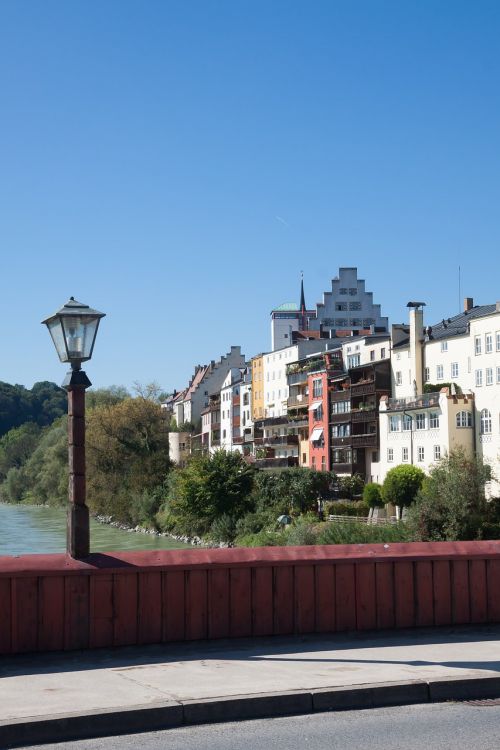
464,419
485,422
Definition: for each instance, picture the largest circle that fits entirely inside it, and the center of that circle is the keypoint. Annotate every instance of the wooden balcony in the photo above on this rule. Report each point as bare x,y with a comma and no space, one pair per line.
278,440
344,394
340,418
364,415
367,440
276,463
363,389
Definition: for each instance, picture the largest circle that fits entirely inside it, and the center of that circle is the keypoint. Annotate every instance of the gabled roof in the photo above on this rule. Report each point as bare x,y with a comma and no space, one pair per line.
459,324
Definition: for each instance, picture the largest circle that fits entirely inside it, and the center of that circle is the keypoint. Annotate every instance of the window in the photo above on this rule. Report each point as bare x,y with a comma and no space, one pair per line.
342,290
341,307
304,458
444,346
477,345
354,305
437,452
489,343
433,420
439,372
489,376
421,453
464,419
485,422
399,378
318,413
353,292
427,374
479,378
323,463
341,430
223,433
382,353
404,454
407,420
498,374
454,369
497,337
372,355
353,360
313,462
420,422
317,388
394,423
390,455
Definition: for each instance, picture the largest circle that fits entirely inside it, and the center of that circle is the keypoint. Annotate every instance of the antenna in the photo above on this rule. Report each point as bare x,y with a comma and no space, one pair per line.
459,290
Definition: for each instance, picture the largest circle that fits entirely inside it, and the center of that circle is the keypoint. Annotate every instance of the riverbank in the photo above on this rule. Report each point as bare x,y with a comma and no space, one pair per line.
195,541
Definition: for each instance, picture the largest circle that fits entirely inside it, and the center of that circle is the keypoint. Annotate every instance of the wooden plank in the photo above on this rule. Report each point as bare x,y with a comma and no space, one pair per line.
366,612
76,612
283,600
304,599
493,586
24,614
196,604
345,596
325,598
218,603
101,611
150,607
174,607
384,577
478,592
460,609
262,601
51,617
5,616
424,601
404,592
442,592
240,613
125,609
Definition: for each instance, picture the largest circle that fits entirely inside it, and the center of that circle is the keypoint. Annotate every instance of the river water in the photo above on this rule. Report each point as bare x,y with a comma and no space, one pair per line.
29,529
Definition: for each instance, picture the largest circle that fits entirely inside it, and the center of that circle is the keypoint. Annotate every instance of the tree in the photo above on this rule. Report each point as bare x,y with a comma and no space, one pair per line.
451,504
208,488
127,455
402,484
372,495
16,446
106,396
44,403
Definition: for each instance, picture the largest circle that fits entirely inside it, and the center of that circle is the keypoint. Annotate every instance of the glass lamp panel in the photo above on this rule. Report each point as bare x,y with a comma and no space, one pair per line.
56,332
80,332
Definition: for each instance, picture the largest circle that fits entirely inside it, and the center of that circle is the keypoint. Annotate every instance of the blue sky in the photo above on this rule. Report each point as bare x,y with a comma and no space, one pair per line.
177,165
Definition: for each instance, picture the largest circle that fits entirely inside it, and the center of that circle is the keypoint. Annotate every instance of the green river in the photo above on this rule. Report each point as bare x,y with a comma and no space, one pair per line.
29,529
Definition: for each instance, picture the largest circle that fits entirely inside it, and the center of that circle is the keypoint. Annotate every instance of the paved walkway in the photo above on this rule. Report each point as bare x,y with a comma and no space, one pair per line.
37,686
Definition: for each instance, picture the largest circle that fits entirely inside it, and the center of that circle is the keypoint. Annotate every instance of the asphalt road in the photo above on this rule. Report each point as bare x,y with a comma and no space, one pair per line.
445,726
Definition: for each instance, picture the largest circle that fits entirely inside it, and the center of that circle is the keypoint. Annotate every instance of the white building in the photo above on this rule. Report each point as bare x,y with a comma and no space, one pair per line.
464,352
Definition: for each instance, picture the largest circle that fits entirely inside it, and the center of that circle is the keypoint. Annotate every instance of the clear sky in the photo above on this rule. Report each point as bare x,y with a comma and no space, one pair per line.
177,164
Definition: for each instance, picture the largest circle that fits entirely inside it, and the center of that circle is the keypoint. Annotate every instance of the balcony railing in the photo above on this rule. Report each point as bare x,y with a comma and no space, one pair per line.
419,402
297,402
367,440
297,377
215,426
340,418
276,463
278,440
362,389
364,415
343,394
342,468
214,405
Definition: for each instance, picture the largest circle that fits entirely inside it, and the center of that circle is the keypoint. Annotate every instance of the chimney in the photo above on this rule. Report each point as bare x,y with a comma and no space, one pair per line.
497,307
468,304
416,341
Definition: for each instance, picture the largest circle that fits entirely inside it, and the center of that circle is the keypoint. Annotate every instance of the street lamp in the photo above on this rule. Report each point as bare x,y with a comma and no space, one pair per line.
73,329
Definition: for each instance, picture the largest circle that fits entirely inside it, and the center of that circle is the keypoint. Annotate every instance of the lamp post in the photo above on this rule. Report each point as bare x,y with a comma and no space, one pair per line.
73,329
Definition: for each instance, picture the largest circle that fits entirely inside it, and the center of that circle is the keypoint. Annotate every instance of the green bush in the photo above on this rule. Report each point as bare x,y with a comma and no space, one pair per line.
361,533
262,539
223,529
352,508
302,532
372,495
402,484
350,487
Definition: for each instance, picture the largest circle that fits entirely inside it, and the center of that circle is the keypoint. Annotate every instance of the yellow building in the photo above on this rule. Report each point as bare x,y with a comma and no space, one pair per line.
257,387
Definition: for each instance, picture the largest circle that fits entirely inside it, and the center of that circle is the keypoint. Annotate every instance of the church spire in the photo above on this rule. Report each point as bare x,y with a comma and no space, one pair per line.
302,297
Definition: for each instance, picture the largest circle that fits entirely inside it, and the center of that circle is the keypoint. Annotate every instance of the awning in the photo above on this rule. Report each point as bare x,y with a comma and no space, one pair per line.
315,405
316,434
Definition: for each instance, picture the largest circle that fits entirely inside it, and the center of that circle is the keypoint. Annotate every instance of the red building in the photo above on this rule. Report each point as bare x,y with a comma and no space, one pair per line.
319,442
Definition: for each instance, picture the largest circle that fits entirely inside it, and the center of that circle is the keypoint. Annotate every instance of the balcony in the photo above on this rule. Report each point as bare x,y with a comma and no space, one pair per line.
270,422
236,421
342,394
297,402
215,426
342,468
236,400
338,442
420,402
214,405
296,378
278,440
239,440
363,389
367,440
340,418
364,415
276,463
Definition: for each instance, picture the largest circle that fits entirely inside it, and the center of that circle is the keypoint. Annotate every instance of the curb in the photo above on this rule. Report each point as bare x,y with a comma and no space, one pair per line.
166,715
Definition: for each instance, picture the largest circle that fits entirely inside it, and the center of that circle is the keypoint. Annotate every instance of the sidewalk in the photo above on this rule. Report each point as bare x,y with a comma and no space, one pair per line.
62,696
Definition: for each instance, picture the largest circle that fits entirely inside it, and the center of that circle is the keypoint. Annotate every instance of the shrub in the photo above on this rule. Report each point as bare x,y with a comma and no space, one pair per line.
372,495
350,487
361,533
301,533
352,508
402,484
223,529
262,539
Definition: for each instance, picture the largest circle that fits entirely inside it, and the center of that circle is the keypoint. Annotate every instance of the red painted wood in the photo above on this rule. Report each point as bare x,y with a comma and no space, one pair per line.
366,612
325,598
262,601
150,607
404,592
478,592
283,600
76,612
384,576
101,611
460,609
240,618
304,599
218,603
345,596
125,600
196,605
5,616
424,598
493,583
174,606
51,615
24,614
442,592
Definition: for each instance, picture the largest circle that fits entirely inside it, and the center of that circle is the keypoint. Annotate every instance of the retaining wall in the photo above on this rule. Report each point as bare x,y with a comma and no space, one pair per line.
52,602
